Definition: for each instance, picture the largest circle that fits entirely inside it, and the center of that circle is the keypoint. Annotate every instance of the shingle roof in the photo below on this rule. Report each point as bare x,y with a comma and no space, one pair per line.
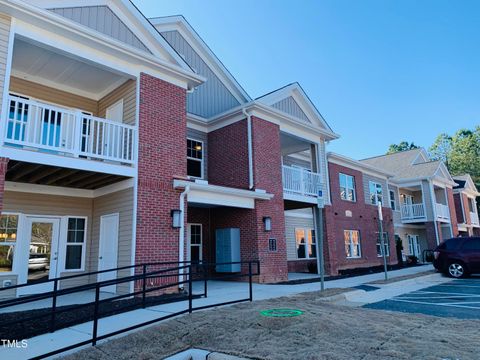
401,164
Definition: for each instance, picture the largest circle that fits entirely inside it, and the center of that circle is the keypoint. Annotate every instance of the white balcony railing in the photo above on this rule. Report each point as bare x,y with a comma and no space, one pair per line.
32,124
300,181
474,218
413,211
443,211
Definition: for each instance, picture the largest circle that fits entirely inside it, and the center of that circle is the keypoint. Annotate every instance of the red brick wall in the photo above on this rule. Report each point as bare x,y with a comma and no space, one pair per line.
300,265
453,214
458,207
430,234
228,156
162,140
364,219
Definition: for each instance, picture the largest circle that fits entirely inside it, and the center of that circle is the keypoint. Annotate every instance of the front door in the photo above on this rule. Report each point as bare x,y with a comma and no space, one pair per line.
108,250
194,236
414,245
43,247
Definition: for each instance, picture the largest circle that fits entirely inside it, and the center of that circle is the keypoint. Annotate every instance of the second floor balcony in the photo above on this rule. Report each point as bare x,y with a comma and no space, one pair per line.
33,125
443,212
474,218
299,181
413,212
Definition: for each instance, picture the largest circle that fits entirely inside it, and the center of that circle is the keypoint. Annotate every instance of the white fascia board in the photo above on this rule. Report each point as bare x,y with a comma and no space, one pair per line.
178,23
286,122
65,191
197,123
57,28
442,181
219,193
357,165
38,157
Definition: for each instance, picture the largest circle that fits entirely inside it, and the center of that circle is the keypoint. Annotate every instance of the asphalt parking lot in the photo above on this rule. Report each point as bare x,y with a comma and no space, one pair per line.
457,298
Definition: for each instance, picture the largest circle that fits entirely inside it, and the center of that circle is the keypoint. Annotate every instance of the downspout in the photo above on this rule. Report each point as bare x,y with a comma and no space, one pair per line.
250,148
181,237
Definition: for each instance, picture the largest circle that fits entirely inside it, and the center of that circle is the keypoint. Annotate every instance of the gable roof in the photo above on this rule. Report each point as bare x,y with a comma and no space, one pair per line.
465,182
410,164
168,24
291,99
119,19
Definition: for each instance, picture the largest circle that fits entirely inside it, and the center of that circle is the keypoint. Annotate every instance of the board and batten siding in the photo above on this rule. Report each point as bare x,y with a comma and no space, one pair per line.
5,23
296,219
211,97
52,95
102,19
290,106
367,178
127,92
51,205
120,202
202,136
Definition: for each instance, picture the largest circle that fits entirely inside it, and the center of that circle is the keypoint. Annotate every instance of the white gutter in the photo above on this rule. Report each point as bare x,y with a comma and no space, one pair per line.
250,149
181,237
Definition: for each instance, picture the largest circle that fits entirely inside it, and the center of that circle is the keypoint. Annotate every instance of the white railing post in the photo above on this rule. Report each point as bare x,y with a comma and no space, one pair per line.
77,134
302,182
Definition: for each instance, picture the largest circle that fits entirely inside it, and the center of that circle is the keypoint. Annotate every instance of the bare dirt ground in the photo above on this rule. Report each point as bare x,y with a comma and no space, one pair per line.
324,331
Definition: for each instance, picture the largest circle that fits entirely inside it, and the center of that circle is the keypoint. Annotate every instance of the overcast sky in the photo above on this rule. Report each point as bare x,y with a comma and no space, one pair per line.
379,71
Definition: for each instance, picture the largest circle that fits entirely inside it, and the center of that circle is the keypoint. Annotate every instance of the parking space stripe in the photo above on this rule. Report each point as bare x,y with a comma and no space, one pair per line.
436,304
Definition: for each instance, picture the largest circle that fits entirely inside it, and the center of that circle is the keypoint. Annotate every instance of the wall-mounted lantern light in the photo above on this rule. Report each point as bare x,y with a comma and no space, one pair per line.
176,218
267,223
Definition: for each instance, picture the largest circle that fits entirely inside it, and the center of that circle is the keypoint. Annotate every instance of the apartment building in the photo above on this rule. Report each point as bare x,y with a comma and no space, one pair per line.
421,197
466,208
126,141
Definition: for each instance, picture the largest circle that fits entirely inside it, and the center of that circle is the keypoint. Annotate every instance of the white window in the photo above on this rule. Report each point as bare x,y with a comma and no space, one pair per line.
392,199
306,243
347,187
352,243
115,111
8,240
195,237
386,244
195,158
376,193
75,246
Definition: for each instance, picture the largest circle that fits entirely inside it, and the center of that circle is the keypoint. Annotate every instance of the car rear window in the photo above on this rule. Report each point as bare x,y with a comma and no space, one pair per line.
450,244
471,244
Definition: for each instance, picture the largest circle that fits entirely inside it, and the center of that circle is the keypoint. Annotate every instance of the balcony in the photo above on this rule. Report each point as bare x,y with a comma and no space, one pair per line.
300,182
33,125
474,218
413,212
443,212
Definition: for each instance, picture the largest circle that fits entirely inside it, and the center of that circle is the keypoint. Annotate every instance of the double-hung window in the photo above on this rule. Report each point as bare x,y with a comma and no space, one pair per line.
352,243
347,187
8,241
376,193
306,243
386,244
75,247
195,158
392,200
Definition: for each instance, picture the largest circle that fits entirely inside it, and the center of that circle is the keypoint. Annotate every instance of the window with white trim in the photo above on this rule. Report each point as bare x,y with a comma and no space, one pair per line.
392,200
386,244
347,187
306,243
376,193
195,158
75,246
352,243
8,241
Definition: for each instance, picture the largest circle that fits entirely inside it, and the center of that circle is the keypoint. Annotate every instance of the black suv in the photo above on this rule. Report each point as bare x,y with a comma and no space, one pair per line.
458,257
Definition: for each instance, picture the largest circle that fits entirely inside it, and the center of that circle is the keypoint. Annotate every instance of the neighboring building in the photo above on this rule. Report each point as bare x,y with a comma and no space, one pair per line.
352,220
421,191
464,195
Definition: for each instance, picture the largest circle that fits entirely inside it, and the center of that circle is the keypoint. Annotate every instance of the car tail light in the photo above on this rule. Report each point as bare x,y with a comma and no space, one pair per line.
436,254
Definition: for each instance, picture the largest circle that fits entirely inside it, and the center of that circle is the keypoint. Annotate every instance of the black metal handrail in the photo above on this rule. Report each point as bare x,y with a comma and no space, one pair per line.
183,273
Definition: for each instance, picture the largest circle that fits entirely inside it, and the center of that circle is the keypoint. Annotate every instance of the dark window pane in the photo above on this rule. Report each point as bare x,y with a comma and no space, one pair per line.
195,254
71,236
80,236
301,251
313,251
80,224
194,168
74,257
72,222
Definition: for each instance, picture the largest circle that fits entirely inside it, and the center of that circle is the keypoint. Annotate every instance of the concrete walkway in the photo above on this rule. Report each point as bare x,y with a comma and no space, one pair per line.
218,291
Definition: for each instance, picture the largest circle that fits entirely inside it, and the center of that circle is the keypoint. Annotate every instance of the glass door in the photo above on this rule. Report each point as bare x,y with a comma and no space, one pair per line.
43,239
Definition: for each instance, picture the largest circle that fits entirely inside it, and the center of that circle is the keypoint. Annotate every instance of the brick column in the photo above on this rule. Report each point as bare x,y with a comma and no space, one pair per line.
162,144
